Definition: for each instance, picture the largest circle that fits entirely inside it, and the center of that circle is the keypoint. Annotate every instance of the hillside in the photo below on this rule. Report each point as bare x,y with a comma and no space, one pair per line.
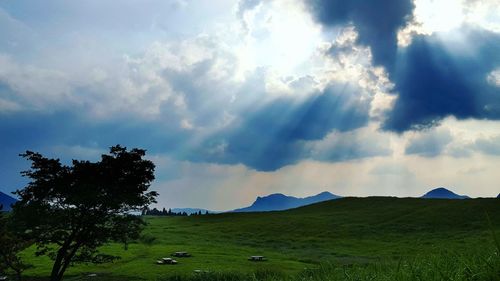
278,202
343,231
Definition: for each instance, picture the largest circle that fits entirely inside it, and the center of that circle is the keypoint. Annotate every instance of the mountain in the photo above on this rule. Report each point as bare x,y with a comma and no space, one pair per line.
6,201
278,201
443,193
498,196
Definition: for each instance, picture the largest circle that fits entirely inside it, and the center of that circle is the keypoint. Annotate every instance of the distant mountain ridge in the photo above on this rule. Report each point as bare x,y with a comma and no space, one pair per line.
6,201
443,193
190,211
279,202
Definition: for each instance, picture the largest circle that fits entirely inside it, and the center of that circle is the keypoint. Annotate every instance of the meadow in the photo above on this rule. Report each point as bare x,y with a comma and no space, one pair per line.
375,238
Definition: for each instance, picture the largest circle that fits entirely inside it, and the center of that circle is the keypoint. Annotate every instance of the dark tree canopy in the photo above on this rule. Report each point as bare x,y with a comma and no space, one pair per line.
69,211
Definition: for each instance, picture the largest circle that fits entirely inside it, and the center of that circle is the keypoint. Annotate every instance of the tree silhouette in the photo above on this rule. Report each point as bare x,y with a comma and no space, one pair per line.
69,211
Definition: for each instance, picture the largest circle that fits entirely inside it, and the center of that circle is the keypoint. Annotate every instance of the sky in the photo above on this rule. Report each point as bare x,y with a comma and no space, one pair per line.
239,99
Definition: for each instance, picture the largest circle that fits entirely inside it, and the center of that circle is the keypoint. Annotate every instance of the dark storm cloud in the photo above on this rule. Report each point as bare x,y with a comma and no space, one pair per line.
377,22
273,136
431,79
435,80
42,132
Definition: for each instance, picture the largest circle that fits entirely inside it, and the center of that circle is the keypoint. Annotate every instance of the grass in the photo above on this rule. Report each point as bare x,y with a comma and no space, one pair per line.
377,238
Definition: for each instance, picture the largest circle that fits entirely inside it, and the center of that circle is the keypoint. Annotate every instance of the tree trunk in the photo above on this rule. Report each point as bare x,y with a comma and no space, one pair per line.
61,256
66,262
54,275
62,261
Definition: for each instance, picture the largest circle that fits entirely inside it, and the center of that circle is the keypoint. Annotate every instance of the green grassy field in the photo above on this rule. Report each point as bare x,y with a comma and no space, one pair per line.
348,239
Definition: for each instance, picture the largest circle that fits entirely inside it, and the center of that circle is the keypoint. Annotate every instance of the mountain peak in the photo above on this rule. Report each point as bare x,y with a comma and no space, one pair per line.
273,195
441,189
324,193
279,201
443,193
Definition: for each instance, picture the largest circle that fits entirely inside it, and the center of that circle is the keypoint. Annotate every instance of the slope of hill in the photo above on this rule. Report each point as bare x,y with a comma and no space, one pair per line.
352,231
443,193
278,202
6,201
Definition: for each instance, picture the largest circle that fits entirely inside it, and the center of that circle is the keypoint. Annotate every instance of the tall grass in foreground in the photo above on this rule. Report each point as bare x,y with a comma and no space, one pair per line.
445,266
442,267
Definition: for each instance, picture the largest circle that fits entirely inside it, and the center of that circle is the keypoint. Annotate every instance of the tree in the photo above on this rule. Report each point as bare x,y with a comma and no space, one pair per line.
10,246
69,211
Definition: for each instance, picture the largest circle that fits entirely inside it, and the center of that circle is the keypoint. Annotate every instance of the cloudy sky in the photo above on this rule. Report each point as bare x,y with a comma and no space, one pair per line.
235,99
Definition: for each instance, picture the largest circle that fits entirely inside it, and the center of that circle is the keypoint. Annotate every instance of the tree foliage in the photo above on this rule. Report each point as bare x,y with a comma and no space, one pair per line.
71,210
10,246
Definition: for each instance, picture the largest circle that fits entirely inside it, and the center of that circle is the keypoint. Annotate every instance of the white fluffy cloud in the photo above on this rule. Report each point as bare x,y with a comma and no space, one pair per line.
32,87
440,16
